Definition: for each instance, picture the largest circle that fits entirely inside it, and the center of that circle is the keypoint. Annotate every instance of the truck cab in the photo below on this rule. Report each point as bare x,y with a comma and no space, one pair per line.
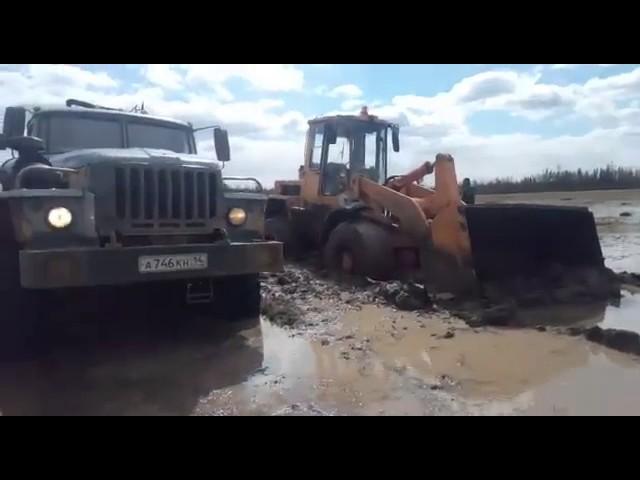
94,196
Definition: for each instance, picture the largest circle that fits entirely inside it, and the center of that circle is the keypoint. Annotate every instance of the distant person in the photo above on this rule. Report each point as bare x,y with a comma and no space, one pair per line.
468,192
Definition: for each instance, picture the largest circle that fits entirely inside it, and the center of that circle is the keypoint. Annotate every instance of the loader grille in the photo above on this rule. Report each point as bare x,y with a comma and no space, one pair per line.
165,198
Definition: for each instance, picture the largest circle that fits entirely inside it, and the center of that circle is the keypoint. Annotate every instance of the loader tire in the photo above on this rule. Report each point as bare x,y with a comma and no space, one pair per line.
360,248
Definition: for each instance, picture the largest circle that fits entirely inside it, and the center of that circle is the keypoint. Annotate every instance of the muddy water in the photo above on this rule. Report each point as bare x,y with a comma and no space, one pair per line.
380,362
130,366
307,376
345,359
371,361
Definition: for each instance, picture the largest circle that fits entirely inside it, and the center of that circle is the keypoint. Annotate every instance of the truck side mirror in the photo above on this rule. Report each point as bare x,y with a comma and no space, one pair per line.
330,134
395,138
221,143
14,120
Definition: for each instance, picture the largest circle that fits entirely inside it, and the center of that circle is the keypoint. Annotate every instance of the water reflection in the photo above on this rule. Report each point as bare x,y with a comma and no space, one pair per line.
625,316
131,365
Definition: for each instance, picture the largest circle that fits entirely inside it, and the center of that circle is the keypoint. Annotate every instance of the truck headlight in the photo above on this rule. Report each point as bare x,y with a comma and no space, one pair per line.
237,216
59,217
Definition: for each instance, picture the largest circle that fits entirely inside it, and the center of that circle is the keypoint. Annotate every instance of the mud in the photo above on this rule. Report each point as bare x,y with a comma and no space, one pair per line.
359,357
335,347
379,362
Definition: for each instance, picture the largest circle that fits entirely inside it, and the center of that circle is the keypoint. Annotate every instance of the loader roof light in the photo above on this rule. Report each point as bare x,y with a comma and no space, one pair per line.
59,217
364,113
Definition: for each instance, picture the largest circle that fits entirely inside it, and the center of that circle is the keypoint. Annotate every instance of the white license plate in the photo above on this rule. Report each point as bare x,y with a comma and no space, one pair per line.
172,263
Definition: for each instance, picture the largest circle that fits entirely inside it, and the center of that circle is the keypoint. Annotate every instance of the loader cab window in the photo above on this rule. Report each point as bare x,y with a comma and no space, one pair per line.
340,152
317,137
369,157
360,149
369,154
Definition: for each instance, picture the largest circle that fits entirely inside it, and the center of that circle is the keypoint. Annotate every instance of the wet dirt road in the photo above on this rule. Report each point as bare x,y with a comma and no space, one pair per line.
346,354
351,359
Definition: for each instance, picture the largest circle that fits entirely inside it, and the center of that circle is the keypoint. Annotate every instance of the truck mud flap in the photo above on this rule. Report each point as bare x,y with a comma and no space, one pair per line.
515,240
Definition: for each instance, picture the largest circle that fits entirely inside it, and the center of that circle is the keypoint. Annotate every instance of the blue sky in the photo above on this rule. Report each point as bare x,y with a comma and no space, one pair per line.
497,120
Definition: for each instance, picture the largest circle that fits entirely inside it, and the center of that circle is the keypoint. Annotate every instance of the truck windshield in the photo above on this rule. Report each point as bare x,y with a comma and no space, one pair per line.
145,135
68,133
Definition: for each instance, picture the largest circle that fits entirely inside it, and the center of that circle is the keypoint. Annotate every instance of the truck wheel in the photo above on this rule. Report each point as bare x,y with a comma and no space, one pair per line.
360,248
6,181
19,332
238,297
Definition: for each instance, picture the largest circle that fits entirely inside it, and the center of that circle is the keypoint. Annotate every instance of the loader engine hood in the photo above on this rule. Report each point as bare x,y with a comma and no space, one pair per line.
119,156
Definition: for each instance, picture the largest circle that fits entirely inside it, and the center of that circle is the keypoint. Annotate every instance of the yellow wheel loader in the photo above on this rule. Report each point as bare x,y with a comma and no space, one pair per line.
366,223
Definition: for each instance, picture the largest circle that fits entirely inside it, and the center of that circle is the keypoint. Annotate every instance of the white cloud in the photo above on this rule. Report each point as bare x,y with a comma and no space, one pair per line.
568,66
70,75
623,85
349,91
268,77
267,135
487,157
163,75
269,160
266,117
486,85
352,104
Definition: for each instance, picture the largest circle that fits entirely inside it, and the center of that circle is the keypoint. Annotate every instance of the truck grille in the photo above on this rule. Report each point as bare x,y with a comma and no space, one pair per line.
165,198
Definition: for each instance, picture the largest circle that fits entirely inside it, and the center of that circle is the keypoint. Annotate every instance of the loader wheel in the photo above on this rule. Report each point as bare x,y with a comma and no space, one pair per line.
238,297
360,248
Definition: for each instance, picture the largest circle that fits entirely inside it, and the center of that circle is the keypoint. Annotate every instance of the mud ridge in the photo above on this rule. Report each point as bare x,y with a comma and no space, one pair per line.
291,296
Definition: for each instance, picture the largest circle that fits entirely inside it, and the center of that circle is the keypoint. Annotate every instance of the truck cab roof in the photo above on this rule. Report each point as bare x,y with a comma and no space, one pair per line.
110,114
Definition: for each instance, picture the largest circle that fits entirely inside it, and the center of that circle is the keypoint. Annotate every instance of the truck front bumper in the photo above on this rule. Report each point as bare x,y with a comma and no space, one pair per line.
87,267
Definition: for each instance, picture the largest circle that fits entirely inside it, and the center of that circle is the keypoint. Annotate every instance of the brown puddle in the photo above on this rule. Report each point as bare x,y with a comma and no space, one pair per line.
401,364
375,361
625,315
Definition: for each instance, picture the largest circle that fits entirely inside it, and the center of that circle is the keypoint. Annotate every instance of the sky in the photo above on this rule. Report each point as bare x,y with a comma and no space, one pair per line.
496,120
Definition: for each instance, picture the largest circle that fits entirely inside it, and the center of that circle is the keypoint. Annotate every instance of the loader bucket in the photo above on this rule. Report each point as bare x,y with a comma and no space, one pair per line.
516,240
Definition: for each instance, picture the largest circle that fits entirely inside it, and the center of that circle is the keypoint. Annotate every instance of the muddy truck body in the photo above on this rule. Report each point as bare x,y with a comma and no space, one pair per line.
96,197
368,223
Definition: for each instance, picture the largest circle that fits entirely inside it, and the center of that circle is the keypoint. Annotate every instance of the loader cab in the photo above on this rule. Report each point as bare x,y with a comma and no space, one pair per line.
341,147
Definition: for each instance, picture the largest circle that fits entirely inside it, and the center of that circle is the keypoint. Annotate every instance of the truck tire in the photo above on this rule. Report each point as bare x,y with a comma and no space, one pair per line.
20,334
238,297
6,181
360,248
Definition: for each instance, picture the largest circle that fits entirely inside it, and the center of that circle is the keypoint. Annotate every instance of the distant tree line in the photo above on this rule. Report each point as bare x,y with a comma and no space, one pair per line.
609,178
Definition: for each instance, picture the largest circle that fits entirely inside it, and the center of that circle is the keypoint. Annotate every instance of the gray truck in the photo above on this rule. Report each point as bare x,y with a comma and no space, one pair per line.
94,197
